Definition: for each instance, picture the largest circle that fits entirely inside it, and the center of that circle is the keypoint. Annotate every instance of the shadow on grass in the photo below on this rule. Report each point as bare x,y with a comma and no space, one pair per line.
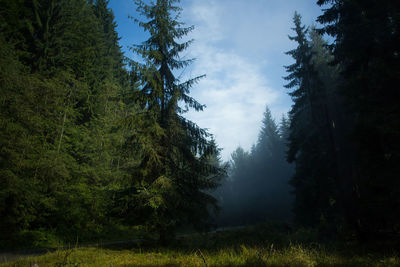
270,244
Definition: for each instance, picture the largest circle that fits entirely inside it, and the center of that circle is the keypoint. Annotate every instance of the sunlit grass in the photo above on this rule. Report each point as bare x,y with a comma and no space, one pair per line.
263,245
293,255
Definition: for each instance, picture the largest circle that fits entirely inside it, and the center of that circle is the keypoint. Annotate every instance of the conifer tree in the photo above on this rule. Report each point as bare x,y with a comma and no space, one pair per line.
175,170
309,143
268,139
284,128
57,111
257,188
366,48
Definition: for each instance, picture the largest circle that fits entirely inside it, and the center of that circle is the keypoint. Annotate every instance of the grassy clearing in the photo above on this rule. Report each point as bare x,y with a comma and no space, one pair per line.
253,246
245,256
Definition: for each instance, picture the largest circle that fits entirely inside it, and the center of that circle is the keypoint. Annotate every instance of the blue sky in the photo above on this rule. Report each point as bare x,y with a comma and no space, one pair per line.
239,45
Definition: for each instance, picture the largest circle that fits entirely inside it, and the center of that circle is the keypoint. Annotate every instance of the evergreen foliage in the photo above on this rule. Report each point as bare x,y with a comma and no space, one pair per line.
366,48
86,143
60,107
312,144
174,172
90,140
344,120
257,188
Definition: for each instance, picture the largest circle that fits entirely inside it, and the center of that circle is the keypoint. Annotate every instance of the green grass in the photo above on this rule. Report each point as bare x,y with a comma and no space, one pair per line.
245,256
266,245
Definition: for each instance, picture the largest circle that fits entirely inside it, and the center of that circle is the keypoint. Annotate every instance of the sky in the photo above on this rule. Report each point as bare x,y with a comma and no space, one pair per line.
240,46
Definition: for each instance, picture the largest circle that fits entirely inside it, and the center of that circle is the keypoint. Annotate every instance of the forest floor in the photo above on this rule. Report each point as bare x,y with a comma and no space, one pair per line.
261,245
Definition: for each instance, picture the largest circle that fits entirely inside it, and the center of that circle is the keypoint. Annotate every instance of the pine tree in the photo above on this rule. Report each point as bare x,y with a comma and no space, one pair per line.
175,171
268,139
271,171
309,143
284,129
257,188
366,49
57,110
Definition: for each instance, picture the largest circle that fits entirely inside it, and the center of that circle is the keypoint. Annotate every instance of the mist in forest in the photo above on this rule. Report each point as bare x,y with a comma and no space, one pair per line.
256,188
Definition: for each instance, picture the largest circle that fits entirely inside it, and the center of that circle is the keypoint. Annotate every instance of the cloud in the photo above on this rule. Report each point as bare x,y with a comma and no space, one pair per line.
206,16
235,89
235,92
240,46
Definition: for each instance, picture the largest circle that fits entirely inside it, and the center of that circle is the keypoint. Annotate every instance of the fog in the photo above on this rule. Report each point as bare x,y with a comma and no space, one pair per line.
257,188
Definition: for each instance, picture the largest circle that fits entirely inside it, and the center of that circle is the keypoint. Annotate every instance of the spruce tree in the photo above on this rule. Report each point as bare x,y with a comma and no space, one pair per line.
257,188
174,170
309,143
366,48
268,139
284,128
58,112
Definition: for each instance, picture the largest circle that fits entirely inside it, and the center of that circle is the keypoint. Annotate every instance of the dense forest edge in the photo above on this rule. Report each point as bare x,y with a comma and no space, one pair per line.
96,146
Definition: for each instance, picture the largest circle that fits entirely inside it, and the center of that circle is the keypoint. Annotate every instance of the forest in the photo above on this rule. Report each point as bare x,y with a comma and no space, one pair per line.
95,145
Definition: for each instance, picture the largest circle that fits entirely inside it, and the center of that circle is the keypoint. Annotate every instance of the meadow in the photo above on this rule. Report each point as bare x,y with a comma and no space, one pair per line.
262,245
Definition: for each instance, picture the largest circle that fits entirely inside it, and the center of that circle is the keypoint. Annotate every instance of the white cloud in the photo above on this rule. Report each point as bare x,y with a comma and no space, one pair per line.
235,93
206,16
235,89
237,43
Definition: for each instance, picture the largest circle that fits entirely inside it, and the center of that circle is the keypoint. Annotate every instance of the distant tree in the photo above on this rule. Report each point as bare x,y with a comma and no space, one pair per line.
232,200
284,128
271,171
268,139
257,188
240,159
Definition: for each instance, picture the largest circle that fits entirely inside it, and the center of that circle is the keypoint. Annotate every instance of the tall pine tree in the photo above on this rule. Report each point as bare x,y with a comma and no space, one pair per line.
174,171
311,144
366,47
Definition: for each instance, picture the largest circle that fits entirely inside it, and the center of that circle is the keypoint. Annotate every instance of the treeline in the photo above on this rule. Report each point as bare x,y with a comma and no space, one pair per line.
90,139
257,186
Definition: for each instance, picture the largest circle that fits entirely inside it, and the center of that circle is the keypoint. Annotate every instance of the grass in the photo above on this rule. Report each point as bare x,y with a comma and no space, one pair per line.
265,245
